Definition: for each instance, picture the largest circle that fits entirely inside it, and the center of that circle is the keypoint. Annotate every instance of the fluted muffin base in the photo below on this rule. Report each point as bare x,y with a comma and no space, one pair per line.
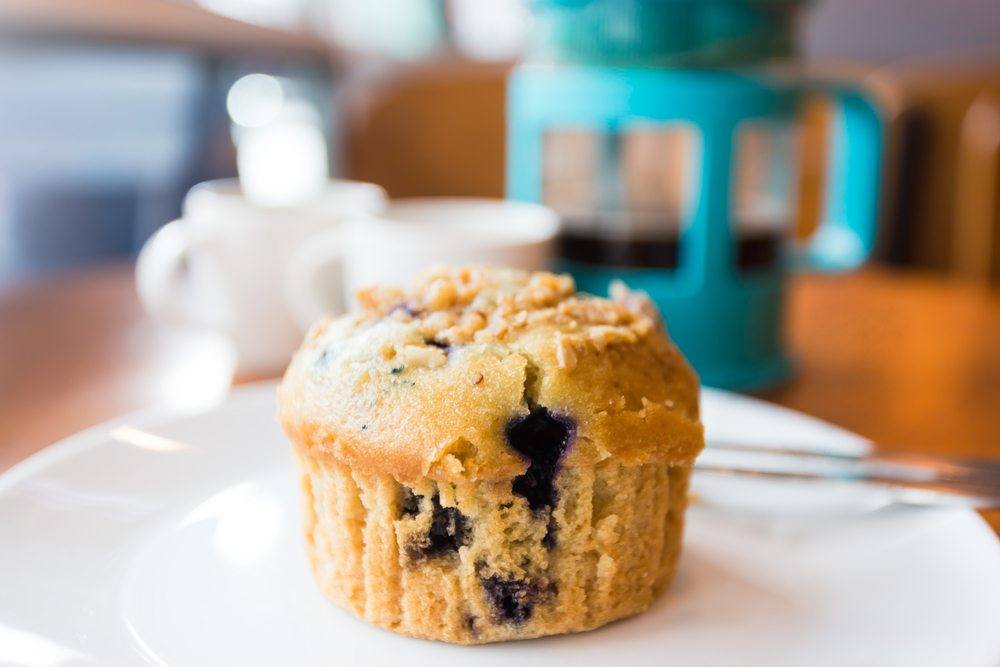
474,562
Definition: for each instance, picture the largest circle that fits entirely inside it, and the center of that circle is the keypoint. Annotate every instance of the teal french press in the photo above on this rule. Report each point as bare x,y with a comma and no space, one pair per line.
668,149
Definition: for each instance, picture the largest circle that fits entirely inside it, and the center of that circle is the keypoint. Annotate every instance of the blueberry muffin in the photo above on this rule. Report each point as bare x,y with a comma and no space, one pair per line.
492,456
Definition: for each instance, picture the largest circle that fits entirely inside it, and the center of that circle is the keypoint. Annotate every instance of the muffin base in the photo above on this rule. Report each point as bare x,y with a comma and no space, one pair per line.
472,563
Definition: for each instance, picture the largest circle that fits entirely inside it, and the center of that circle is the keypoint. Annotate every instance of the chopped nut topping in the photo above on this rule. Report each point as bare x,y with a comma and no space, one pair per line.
440,294
565,354
460,306
420,356
379,299
636,301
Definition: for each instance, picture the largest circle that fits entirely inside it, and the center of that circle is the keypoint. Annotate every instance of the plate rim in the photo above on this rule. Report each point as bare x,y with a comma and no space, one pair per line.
93,436
80,441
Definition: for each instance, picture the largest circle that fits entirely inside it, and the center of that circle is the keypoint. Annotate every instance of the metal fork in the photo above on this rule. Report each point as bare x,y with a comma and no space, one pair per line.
916,478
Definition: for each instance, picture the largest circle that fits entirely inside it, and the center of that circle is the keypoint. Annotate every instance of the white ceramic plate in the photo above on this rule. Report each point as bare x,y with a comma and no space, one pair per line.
174,540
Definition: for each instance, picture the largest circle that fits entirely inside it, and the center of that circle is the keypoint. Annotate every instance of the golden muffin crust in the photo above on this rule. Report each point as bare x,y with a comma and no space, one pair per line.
425,383
492,456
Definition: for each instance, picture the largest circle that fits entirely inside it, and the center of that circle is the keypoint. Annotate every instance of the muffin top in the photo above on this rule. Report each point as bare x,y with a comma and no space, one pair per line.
481,374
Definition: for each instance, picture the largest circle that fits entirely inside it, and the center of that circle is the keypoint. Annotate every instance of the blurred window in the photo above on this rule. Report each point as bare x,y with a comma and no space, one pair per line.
99,143
96,144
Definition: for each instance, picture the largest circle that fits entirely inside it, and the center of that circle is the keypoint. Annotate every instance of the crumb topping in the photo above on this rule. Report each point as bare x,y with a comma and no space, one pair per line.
472,304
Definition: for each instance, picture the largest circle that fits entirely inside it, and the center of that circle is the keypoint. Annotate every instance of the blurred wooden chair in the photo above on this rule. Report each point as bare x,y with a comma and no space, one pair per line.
976,247
431,129
942,209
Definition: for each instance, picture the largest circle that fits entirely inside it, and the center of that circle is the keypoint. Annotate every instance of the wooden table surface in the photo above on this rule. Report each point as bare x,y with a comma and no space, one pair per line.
910,361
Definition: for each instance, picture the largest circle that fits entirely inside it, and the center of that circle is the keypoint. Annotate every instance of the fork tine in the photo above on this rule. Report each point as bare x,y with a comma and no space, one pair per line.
909,493
941,464
978,480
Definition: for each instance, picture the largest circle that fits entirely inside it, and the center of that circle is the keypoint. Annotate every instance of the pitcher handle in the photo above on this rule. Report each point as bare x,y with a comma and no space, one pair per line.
848,229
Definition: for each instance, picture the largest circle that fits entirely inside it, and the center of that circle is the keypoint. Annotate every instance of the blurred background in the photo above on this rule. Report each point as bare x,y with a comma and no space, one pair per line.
110,110
809,190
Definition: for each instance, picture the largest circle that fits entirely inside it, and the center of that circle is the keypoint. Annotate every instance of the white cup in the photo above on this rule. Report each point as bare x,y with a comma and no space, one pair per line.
225,263
411,235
